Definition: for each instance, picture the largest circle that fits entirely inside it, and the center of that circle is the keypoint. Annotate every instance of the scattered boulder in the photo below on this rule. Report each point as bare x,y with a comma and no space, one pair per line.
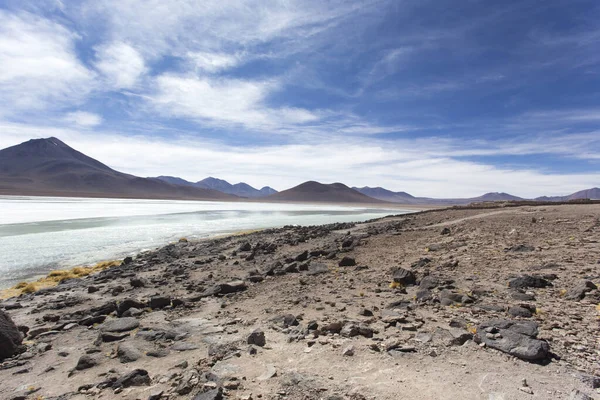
445,231
348,351
86,362
158,302
127,353
137,282
592,381
120,325
448,298
451,337
246,246
518,311
347,262
126,304
579,291
257,337
232,287
302,256
215,394
404,277
517,338
351,329
529,281
10,336
285,320
137,377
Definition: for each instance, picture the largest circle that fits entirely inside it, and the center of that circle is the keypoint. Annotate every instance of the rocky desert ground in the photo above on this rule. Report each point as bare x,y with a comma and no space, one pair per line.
464,303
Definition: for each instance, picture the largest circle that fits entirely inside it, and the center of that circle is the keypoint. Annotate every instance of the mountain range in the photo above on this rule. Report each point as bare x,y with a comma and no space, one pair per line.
239,189
405,198
49,167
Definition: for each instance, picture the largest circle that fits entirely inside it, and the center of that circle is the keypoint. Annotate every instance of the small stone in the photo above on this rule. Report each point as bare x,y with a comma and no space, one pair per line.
526,389
348,351
158,302
127,353
257,337
347,262
86,362
120,325
271,372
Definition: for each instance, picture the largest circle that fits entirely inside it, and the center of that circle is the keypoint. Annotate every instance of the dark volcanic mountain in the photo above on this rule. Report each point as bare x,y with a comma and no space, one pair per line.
387,195
405,198
592,194
50,167
312,191
494,196
239,189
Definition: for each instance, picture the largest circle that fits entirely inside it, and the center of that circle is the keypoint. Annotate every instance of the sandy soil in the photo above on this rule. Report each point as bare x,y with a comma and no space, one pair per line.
335,328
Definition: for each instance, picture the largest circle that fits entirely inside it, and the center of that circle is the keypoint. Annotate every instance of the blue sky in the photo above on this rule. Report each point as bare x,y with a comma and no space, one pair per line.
436,98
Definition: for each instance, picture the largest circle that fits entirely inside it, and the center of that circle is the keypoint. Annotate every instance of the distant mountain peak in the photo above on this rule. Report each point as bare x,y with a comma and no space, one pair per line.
312,191
48,166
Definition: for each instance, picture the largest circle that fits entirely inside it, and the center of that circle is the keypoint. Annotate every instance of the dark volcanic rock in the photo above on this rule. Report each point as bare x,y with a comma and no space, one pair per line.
517,338
137,282
120,325
158,302
232,287
448,297
529,281
104,309
285,321
578,292
404,277
347,262
215,394
86,362
137,377
302,256
257,338
127,353
127,304
10,336
246,246
522,312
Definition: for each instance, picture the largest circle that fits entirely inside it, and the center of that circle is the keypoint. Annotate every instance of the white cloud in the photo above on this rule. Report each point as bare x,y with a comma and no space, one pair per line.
225,102
121,64
39,68
83,119
213,62
157,27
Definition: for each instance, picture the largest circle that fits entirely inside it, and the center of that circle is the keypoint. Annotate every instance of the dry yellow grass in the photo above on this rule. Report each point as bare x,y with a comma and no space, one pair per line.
54,278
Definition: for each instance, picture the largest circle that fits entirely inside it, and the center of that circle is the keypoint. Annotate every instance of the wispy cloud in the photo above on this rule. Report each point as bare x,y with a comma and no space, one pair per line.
83,119
39,68
121,65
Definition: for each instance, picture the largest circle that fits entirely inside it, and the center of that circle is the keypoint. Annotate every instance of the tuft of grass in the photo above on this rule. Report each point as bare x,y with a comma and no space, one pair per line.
396,285
55,277
29,288
472,328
